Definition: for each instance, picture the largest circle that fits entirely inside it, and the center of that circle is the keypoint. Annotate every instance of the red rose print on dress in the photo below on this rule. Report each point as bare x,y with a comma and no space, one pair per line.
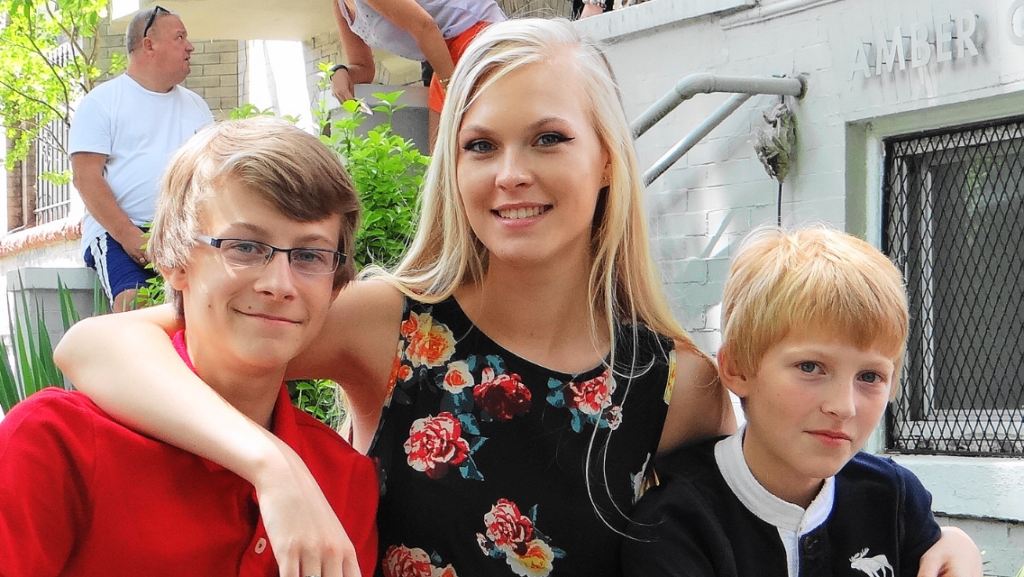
435,443
588,401
507,527
503,396
458,377
514,537
405,562
431,343
593,396
402,561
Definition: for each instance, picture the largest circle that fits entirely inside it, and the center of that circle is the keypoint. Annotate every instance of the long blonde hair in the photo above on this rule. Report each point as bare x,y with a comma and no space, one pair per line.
623,282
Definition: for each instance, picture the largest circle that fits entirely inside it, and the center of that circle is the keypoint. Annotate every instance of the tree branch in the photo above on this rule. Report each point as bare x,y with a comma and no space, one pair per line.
46,58
13,89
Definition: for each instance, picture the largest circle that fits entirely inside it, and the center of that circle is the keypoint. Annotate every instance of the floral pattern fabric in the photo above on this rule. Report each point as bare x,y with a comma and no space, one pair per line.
492,465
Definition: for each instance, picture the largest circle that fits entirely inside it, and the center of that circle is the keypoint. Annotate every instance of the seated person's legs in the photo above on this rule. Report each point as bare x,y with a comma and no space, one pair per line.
119,275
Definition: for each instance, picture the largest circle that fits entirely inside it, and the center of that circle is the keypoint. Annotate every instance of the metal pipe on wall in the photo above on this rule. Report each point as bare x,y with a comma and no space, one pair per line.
702,130
704,83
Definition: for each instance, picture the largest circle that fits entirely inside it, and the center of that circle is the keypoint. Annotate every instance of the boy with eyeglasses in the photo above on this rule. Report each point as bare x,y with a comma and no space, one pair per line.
250,230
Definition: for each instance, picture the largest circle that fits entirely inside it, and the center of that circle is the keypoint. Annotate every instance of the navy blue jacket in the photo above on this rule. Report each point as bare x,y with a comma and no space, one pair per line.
693,525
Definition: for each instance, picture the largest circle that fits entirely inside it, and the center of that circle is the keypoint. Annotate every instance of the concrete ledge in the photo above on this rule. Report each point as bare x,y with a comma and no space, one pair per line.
414,96
643,18
979,487
39,278
779,9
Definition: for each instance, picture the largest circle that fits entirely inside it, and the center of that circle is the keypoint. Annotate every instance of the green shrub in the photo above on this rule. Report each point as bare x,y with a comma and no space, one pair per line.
33,367
387,171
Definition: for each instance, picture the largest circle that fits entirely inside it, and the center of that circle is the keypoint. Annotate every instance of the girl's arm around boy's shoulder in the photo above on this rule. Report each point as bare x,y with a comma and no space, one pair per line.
357,344
699,405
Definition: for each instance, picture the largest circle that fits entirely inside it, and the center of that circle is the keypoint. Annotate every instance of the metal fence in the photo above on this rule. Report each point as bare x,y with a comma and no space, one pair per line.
954,224
53,200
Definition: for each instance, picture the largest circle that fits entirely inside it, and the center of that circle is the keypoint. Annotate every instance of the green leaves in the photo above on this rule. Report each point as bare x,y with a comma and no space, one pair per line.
319,398
33,367
387,171
49,56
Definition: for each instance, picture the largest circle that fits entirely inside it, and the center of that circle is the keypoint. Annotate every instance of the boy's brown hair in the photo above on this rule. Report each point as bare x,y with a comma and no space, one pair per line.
270,157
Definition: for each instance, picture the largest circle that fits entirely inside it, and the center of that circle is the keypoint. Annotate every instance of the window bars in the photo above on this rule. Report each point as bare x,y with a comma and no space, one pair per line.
53,199
954,225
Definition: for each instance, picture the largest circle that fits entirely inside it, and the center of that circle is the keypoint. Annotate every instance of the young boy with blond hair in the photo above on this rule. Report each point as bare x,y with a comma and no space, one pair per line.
251,228
814,324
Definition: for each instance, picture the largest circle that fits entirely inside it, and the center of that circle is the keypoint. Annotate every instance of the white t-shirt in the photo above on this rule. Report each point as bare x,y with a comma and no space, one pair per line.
138,130
453,17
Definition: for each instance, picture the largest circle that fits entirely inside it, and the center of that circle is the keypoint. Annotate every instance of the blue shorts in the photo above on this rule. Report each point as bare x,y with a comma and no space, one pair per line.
117,271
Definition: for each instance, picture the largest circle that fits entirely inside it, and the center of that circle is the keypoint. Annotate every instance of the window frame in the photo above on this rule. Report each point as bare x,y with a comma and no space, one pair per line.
978,430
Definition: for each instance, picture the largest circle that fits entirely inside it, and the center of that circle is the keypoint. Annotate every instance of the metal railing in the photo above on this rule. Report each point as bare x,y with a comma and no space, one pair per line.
688,87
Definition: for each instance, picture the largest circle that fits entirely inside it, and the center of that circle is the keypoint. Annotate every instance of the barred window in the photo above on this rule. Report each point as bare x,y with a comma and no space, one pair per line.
53,198
954,224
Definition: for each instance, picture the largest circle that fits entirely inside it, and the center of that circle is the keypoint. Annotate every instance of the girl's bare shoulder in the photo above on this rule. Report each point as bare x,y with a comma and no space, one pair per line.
699,404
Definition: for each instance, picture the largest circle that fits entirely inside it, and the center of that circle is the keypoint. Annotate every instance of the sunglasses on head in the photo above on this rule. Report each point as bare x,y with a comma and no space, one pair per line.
152,18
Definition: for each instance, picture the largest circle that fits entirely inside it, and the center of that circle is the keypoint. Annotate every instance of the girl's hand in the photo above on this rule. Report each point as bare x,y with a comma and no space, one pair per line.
342,86
954,555
304,533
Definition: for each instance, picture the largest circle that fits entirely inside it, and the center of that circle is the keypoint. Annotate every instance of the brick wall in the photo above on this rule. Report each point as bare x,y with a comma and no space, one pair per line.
217,69
217,74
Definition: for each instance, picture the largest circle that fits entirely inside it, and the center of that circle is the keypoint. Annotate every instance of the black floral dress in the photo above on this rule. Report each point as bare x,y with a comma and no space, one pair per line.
493,465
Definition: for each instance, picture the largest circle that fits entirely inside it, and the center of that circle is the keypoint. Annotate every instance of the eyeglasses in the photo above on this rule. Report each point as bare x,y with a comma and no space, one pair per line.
304,260
152,18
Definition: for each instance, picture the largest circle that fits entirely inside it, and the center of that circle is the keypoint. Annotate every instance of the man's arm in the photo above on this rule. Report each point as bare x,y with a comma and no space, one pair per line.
87,170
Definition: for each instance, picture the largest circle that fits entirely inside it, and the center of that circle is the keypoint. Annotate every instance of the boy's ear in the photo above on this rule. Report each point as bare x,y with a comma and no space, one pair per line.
177,277
731,376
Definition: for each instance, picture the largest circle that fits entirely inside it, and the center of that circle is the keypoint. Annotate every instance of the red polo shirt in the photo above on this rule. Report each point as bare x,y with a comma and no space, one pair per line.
81,494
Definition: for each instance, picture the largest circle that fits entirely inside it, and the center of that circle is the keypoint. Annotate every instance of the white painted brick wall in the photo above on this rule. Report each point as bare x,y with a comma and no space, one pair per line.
720,188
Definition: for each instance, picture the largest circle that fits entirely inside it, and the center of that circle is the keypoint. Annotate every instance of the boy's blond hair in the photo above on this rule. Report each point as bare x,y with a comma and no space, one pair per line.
270,157
815,278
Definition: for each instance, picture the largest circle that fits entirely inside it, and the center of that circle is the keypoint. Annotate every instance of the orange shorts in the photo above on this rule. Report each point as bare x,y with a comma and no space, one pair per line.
456,46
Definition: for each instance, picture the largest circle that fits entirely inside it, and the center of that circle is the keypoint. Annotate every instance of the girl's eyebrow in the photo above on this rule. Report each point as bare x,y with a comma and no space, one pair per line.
532,126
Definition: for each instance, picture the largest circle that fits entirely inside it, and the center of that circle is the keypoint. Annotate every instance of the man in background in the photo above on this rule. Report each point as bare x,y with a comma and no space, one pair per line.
122,135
